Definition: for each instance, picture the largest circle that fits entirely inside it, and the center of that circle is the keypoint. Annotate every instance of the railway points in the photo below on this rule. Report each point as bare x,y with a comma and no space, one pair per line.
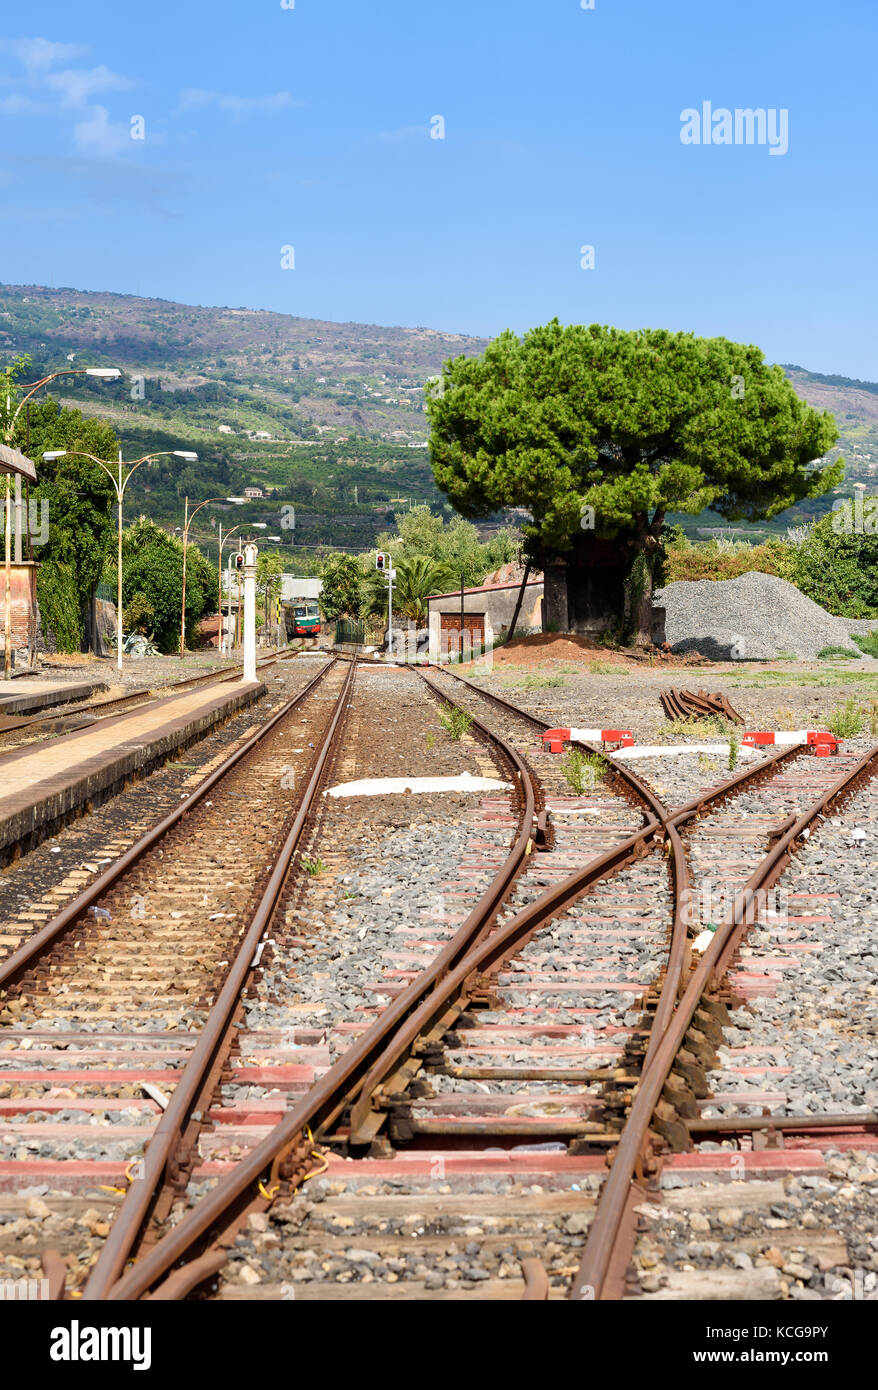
458,1044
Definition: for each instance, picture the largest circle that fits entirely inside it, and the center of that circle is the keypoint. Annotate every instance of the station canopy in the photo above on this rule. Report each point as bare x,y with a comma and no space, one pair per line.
11,461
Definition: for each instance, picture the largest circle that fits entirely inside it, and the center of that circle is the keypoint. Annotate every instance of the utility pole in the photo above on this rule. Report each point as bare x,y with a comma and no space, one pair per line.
461,616
250,553
390,610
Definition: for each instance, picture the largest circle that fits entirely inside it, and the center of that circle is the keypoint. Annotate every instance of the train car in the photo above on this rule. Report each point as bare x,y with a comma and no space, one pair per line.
306,618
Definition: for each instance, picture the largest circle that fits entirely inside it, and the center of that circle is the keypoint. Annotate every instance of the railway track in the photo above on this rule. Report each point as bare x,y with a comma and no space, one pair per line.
140,960
565,1007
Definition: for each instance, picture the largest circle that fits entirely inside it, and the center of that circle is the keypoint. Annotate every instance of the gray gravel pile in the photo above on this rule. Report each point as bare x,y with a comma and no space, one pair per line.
753,618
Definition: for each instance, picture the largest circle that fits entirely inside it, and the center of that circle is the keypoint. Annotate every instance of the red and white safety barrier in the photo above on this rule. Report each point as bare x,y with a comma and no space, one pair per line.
554,739
820,740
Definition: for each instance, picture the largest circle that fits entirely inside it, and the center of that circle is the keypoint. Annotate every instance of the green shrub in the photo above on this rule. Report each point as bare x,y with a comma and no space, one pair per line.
59,606
847,720
837,654
867,641
838,569
710,724
456,722
712,560
138,615
734,749
314,867
583,771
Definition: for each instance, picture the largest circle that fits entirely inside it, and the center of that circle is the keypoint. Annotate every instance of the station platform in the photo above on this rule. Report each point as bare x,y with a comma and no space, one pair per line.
43,785
25,694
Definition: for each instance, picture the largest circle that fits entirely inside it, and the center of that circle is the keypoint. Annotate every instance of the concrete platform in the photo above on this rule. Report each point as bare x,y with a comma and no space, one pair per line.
43,786
24,694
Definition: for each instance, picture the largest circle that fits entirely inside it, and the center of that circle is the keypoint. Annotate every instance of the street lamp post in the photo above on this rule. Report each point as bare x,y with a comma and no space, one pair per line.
222,540
120,483
187,522
103,374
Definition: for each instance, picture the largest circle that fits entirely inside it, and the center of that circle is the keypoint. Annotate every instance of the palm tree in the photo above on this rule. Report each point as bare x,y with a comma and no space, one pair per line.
417,577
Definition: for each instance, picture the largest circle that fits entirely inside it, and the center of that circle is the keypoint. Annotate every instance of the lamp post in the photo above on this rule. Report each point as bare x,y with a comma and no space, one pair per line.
120,483
103,374
222,541
187,522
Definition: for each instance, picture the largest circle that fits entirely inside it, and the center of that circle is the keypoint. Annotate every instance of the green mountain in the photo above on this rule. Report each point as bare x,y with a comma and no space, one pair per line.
341,404
326,418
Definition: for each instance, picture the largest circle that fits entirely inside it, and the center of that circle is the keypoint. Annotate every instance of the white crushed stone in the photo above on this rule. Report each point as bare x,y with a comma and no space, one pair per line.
752,618
385,786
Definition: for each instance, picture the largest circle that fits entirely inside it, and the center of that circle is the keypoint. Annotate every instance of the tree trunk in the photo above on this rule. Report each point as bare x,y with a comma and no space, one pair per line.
638,596
643,614
555,609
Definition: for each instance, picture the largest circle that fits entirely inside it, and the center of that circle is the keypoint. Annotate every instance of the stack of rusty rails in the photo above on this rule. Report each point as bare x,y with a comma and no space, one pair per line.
610,1240
686,704
16,728
41,969
357,1084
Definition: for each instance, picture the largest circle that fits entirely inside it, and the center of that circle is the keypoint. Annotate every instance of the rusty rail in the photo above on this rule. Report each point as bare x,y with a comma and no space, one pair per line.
12,968
606,1246
282,1148
203,1059
285,1154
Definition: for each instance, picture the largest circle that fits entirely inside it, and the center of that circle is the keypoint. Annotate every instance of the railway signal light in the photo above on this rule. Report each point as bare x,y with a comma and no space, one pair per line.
382,561
239,561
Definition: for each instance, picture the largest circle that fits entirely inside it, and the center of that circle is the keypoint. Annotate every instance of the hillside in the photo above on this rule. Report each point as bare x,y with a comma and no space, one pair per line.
342,405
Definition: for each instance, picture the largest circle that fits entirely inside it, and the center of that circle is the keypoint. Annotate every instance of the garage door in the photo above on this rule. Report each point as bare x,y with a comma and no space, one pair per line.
474,631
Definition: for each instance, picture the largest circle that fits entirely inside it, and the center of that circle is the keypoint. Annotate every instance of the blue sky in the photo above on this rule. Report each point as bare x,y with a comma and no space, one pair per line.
310,127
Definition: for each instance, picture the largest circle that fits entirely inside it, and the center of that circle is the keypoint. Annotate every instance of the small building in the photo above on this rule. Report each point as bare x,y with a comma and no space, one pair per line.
22,573
487,610
292,587
226,429
253,492
262,434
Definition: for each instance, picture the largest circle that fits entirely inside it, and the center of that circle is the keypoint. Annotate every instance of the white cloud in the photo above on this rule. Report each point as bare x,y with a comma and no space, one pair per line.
36,54
98,135
49,88
402,135
20,105
197,99
76,85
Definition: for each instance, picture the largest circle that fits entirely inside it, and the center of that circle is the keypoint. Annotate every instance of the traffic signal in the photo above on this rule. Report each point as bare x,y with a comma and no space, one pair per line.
382,561
239,561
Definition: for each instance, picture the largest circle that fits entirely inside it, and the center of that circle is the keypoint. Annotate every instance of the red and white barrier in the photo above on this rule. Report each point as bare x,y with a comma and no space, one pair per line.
554,739
820,740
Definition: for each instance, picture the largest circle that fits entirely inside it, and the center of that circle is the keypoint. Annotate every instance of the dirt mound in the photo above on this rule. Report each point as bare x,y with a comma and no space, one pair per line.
542,648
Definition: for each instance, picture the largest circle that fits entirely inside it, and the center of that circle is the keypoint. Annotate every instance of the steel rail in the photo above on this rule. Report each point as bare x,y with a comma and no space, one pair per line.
424,997
678,951
603,1239
159,1148
13,967
325,1101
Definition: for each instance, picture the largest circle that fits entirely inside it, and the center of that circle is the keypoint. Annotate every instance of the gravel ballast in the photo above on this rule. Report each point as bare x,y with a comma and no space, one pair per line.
753,618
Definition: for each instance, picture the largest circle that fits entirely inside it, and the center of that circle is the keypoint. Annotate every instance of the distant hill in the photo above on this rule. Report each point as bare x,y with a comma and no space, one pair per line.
342,404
